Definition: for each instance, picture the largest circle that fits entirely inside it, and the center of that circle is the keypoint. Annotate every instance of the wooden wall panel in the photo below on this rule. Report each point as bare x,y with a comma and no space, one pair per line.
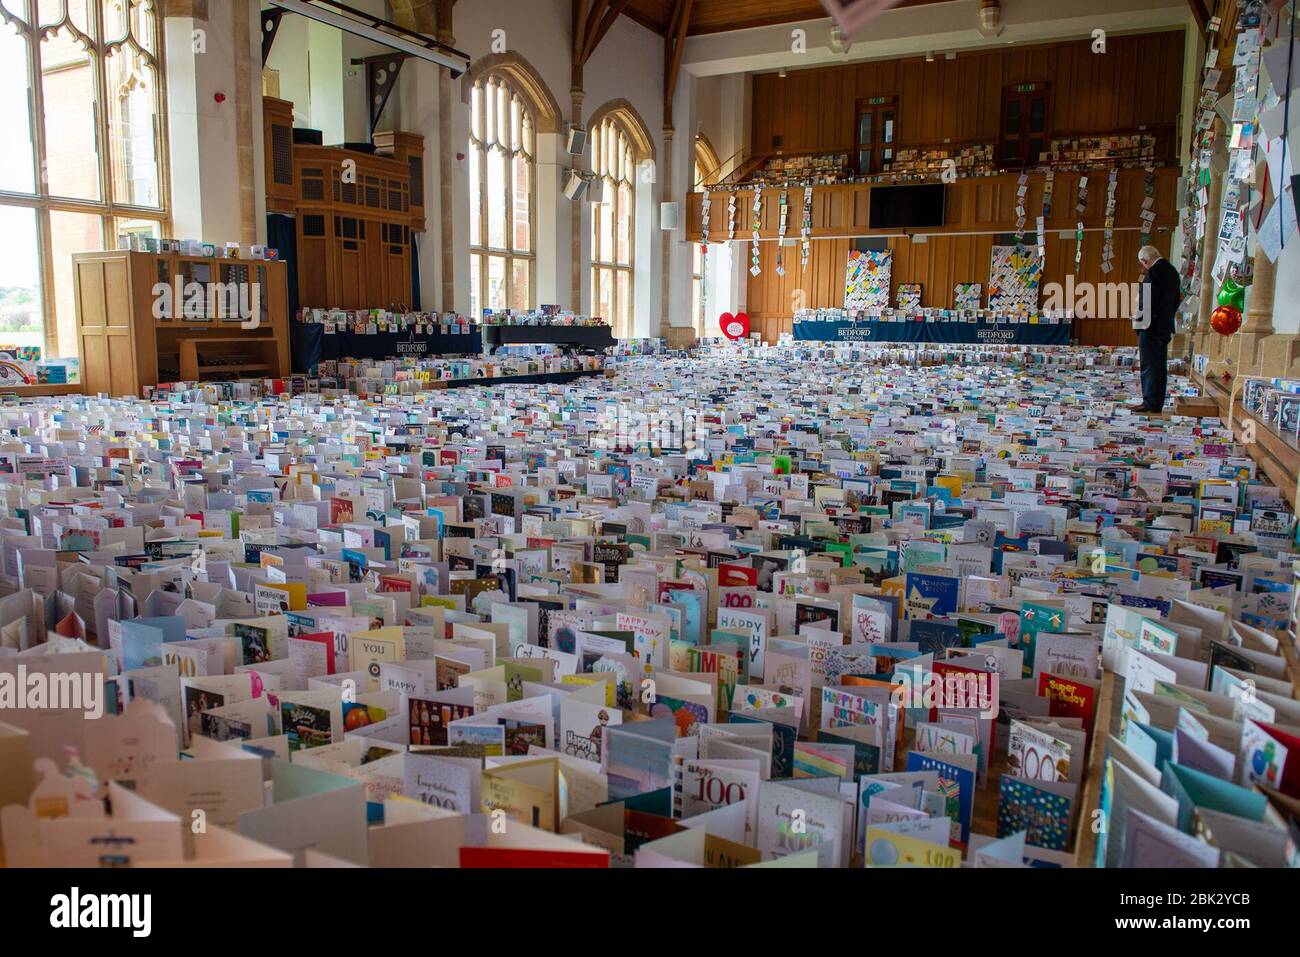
938,265
977,204
977,210
1136,82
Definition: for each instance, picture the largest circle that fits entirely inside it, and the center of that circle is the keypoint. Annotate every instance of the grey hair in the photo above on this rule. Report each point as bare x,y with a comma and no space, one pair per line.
1148,254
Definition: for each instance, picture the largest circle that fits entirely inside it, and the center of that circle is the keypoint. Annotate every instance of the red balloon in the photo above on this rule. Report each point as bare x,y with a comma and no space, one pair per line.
1225,320
734,327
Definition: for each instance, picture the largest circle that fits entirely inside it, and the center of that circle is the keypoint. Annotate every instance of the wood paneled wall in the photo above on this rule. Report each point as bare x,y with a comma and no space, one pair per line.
1136,82
976,210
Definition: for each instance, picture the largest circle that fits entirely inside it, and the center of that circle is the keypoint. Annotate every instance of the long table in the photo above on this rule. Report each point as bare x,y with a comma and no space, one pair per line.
982,333
581,337
536,378
311,345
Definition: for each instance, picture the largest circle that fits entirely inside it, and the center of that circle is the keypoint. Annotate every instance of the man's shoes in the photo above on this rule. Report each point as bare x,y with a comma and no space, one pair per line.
1143,410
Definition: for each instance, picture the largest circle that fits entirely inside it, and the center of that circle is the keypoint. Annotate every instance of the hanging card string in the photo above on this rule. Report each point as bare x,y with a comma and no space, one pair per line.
1286,128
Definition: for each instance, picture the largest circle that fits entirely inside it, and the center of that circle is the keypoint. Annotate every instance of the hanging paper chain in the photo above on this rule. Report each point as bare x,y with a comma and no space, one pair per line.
1108,247
1080,205
754,267
1196,178
1022,188
731,217
1049,184
806,230
705,203
1148,213
780,235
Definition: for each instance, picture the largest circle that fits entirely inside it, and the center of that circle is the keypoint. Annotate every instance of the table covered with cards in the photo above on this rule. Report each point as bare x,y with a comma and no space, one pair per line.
1010,332
313,344
821,613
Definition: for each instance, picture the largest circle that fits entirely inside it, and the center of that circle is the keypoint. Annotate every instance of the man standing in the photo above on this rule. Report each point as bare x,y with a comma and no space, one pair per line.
1160,297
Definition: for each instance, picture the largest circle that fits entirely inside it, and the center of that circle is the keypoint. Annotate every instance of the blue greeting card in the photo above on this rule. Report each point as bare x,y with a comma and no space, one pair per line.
1040,809
956,784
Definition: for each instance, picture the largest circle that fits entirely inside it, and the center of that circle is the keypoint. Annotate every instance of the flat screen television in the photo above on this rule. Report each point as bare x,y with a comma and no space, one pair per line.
918,205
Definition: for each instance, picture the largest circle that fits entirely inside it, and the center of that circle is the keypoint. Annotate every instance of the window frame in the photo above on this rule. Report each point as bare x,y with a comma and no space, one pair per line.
1024,95
110,211
625,155
483,250
876,107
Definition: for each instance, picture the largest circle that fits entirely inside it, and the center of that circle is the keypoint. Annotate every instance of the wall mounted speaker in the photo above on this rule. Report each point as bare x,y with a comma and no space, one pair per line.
574,184
668,215
577,141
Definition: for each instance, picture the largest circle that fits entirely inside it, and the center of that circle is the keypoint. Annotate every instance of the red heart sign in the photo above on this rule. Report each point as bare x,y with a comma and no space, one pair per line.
734,327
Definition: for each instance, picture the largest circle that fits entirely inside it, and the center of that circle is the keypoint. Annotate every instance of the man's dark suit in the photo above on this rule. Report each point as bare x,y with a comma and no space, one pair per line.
1162,296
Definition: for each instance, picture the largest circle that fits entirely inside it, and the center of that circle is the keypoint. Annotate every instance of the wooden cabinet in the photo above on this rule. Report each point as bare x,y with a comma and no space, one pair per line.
355,212
354,226
277,146
145,318
407,149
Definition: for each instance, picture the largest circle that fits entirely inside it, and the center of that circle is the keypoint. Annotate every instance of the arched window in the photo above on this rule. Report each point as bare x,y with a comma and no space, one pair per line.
613,236
81,96
502,151
707,165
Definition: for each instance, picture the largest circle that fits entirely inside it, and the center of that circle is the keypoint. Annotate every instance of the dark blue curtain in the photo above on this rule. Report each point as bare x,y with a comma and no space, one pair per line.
415,274
282,236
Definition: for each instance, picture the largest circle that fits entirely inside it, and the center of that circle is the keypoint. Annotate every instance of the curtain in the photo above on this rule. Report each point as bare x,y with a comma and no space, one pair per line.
415,274
282,236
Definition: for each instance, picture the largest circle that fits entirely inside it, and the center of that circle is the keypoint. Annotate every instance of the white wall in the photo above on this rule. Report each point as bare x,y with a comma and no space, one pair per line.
724,115
356,111
289,59
202,132
316,74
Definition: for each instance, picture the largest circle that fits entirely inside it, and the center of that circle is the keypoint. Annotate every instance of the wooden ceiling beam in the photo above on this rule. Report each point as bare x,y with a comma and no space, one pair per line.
613,11
679,25
637,15
598,8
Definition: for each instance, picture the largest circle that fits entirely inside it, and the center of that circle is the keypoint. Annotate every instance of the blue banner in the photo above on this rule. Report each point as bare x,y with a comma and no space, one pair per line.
946,333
